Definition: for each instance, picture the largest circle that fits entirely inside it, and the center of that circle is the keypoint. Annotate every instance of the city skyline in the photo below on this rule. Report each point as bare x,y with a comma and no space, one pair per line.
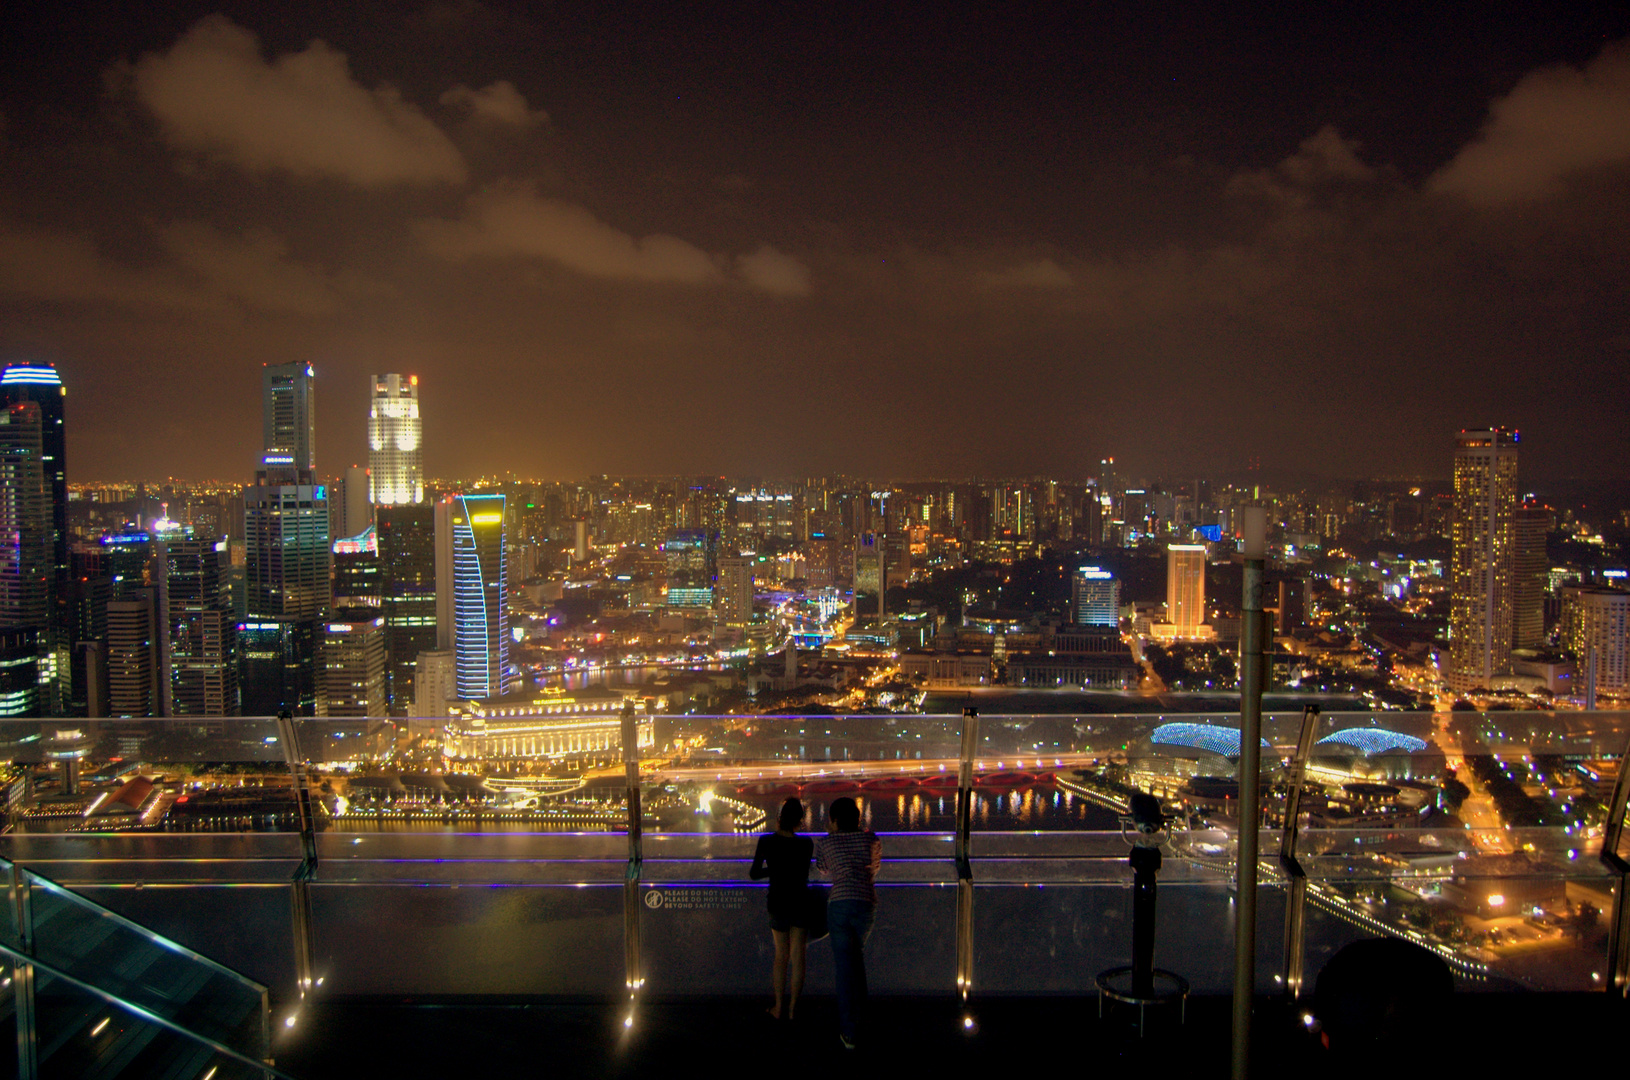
1192,242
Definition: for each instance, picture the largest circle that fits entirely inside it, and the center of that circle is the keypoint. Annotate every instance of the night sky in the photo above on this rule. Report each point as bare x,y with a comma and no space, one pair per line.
783,239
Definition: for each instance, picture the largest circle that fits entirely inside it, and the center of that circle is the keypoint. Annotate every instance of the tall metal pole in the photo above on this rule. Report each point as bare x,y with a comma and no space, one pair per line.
1250,772
964,868
633,974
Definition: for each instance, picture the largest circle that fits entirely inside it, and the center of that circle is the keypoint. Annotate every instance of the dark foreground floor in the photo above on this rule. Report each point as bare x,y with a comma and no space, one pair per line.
1479,1035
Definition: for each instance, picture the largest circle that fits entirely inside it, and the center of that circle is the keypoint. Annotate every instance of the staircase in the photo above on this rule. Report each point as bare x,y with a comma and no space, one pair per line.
95,995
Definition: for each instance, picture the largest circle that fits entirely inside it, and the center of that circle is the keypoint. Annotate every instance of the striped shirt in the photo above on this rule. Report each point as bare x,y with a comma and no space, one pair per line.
851,860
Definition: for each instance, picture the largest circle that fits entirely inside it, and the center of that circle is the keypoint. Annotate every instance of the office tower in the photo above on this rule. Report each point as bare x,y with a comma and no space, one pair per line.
358,580
19,671
435,683
691,555
471,592
203,633
25,521
1598,620
353,658
41,385
286,553
288,417
1482,581
349,511
277,666
1095,597
134,666
1530,575
90,587
406,538
1186,589
395,435
735,592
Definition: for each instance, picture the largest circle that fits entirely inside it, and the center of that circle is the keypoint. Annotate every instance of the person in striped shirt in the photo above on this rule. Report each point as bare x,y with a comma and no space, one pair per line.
851,858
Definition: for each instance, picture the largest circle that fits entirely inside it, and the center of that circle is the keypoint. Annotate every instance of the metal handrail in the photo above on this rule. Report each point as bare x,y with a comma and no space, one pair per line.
138,1011
37,878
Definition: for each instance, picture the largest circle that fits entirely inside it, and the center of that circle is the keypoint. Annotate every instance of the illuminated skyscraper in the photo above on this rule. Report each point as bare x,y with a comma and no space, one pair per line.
1185,586
471,591
735,593
691,554
1482,582
1095,597
25,521
395,457
1532,570
1597,620
41,385
286,553
407,569
288,419
203,634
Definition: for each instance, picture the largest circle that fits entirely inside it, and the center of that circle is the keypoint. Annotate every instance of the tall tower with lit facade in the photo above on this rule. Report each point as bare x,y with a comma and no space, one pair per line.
1186,588
203,646
1482,583
395,461
471,590
41,385
286,555
1095,597
25,535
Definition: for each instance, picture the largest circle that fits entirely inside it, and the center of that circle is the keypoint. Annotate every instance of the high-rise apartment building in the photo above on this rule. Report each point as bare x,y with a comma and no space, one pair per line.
406,537
735,592
40,385
1597,621
1482,583
1531,573
203,633
435,684
395,434
471,591
1095,597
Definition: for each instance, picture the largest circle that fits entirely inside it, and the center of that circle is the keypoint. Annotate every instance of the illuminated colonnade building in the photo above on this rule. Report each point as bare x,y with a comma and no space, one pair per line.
546,724
472,618
395,442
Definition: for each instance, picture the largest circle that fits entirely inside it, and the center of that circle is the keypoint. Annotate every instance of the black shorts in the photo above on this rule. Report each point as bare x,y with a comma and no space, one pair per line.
784,917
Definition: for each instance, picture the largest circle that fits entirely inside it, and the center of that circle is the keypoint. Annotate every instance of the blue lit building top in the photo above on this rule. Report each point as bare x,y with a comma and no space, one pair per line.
1373,741
30,374
1223,741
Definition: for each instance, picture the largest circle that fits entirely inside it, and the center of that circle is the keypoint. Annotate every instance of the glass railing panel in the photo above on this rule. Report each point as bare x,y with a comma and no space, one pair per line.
133,963
1042,937
451,939
713,938
80,1034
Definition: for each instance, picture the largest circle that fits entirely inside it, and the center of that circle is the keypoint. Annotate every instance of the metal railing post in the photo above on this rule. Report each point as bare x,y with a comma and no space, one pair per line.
1250,779
964,867
633,976
22,978
1618,948
1295,877
300,920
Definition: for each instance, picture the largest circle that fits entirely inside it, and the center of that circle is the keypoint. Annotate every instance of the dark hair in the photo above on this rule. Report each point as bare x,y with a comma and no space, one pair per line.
792,815
844,813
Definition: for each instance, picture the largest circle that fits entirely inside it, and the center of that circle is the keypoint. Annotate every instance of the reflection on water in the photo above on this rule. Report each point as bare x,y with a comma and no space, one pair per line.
577,679
1021,809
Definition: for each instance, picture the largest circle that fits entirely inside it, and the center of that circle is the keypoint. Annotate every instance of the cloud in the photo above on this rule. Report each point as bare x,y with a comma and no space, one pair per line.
1556,123
773,272
302,113
510,220
253,269
53,267
1036,274
499,103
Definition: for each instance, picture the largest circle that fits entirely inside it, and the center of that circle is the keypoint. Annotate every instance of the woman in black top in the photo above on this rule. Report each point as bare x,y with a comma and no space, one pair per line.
783,856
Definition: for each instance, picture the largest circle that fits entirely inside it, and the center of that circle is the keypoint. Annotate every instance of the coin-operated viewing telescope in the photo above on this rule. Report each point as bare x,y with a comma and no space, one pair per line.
1143,984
